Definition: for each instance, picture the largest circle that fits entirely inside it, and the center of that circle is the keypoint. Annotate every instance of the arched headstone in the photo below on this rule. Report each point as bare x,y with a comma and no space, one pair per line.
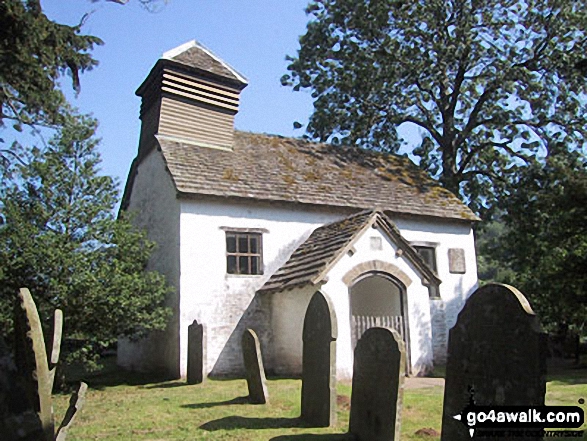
378,377
196,353
496,356
319,363
255,373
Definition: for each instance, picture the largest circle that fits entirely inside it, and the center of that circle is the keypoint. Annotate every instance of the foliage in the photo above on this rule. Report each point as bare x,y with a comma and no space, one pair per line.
544,239
35,53
61,239
491,266
489,84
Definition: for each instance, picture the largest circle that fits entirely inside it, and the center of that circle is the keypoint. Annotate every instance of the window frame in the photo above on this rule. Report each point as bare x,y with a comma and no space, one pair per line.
427,246
238,254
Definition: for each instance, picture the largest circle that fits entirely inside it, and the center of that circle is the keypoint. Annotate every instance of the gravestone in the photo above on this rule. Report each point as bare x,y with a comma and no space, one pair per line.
496,356
319,363
378,378
255,373
196,353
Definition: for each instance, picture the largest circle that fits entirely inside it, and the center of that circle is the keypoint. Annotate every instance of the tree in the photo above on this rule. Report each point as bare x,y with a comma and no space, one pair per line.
489,84
61,239
35,53
492,265
544,239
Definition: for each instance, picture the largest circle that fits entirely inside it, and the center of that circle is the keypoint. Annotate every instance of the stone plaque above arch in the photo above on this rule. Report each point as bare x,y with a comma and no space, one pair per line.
376,265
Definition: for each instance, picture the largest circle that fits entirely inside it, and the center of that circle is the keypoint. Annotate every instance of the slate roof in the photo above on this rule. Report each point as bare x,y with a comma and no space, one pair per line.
310,262
195,55
274,168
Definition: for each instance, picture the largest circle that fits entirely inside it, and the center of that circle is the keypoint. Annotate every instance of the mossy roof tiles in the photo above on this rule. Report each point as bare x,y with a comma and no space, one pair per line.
275,168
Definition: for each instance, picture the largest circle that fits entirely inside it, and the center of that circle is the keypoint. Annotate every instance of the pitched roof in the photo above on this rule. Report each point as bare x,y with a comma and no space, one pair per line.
275,168
195,55
310,262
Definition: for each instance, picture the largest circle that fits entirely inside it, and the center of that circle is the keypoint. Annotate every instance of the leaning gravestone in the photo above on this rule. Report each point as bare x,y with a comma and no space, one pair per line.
255,373
378,377
496,356
319,363
196,353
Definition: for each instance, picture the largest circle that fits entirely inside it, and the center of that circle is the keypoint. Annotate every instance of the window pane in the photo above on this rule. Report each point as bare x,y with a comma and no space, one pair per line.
243,244
244,253
255,265
253,247
243,265
230,244
428,255
231,265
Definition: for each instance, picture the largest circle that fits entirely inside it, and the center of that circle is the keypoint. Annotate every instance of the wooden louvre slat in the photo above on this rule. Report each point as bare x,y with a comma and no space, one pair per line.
188,120
194,115
198,83
199,98
201,93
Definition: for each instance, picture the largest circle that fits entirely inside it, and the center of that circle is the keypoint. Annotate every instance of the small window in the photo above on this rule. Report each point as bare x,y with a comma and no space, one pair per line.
244,253
428,254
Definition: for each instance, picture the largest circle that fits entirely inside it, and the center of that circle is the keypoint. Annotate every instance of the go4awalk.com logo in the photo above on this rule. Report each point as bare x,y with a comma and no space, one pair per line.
512,421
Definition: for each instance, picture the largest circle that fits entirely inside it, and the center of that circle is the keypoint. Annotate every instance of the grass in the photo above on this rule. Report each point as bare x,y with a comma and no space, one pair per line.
125,406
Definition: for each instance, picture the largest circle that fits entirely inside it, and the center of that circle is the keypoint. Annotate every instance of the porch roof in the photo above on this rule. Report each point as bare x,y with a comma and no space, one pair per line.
311,261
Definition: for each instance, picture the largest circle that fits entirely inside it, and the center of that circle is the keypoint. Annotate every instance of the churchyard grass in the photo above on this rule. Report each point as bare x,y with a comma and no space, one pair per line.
123,406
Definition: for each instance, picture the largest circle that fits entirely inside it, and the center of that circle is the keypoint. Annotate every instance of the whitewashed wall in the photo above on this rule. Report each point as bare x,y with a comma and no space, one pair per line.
217,299
455,288
226,304
157,210
417,302
288,308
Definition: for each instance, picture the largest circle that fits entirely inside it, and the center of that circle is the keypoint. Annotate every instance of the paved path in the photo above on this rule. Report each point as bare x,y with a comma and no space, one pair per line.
420,382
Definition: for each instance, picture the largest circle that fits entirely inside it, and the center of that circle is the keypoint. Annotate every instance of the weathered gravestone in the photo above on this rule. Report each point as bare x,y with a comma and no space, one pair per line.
319,363
378,378
255,373
196,353
496,356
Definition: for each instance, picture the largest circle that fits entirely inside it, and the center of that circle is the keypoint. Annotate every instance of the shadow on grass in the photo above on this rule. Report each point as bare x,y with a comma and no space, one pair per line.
239,422
238,400
314,437
566,371
168,385
112,375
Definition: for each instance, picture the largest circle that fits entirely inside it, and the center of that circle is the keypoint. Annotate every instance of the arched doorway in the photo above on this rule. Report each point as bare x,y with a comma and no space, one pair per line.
376,299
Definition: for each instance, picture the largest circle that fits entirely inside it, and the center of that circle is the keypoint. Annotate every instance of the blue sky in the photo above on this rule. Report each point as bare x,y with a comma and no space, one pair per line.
253,36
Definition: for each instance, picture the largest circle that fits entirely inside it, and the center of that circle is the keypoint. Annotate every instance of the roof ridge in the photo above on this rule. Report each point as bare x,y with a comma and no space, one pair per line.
308,268
174,53
327,259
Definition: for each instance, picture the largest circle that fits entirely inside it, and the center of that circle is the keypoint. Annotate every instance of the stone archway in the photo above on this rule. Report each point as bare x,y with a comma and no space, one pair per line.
376,266
377,297
377,300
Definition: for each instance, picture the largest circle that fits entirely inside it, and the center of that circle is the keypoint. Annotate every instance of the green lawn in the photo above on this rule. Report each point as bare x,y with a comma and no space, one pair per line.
123,406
